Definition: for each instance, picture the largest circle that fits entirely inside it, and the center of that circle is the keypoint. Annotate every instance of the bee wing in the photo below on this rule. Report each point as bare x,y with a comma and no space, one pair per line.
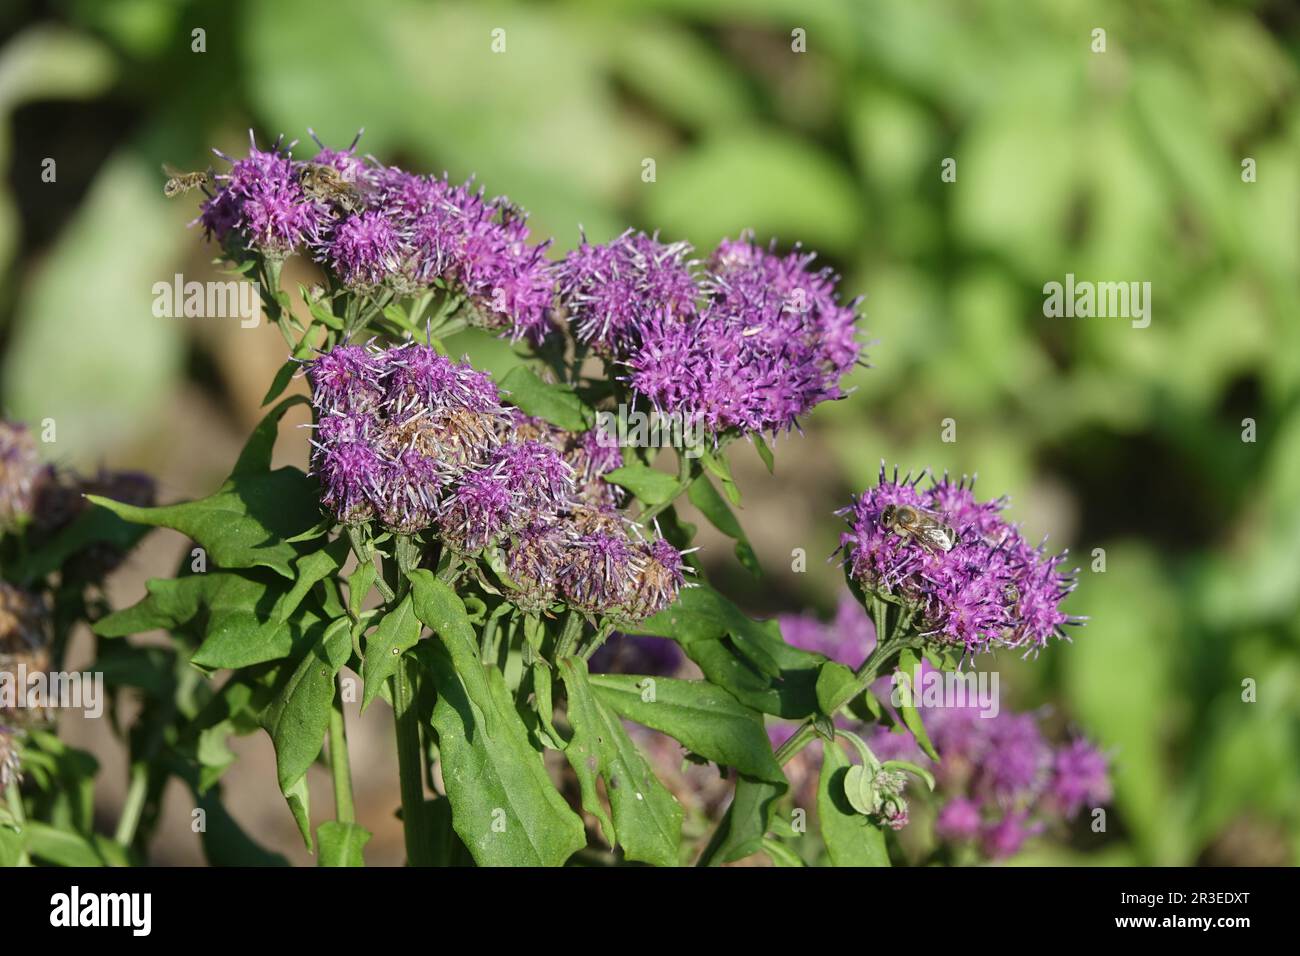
171,171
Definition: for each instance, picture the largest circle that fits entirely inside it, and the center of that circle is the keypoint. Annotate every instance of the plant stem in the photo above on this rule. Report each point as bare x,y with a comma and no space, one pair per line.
686,473
340,767
569,636
133,806
419,841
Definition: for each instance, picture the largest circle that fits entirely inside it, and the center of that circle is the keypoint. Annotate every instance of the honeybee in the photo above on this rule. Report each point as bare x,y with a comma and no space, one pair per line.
924,527
179,182
326,184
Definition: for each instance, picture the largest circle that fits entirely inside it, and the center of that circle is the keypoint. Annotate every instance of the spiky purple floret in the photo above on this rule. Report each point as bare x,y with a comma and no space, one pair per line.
457,236
657,581
600,572
348,378
535,474
610,291
351,474
346,161
480,510
1080,777
365,250
533,560
990,589
261,198
421,376
769,343
409,491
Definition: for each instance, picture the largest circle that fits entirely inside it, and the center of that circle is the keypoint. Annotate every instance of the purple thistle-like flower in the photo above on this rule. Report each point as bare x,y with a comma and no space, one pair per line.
1080,777
657,581
348,378
409,491
974,581
421,377
351,475
261,198
480,510
610,291
1004,838
365,250
600,573
958,821
533,561
769,343
346,161
536,475
1016,760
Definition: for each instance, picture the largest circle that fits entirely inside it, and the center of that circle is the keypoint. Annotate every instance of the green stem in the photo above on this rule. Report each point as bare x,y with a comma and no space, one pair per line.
569,636
340,767
601,636
133,807
687,471
415,821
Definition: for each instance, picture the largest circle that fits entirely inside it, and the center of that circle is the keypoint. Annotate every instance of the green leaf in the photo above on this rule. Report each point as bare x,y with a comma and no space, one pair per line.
245,523
341,843
705,497
764,452
647,818
360,581
708,720
397,632
299,800
908,664
720,467
504,806
557,404
60,847
299,714
650,485
832,679
255,458
746,822
754,665
850,838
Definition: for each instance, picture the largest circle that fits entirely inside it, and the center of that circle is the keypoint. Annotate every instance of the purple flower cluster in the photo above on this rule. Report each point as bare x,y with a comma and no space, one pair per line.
975,582
379,226
409,438
1001,781
750,342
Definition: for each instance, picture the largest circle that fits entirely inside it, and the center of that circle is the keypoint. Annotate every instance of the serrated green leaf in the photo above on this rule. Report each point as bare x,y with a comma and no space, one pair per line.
651,486
850,838
341,844
397,632
704,717
647,819
557,404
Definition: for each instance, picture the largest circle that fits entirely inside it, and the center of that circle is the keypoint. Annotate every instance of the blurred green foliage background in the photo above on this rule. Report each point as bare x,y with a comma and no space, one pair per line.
1123,165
